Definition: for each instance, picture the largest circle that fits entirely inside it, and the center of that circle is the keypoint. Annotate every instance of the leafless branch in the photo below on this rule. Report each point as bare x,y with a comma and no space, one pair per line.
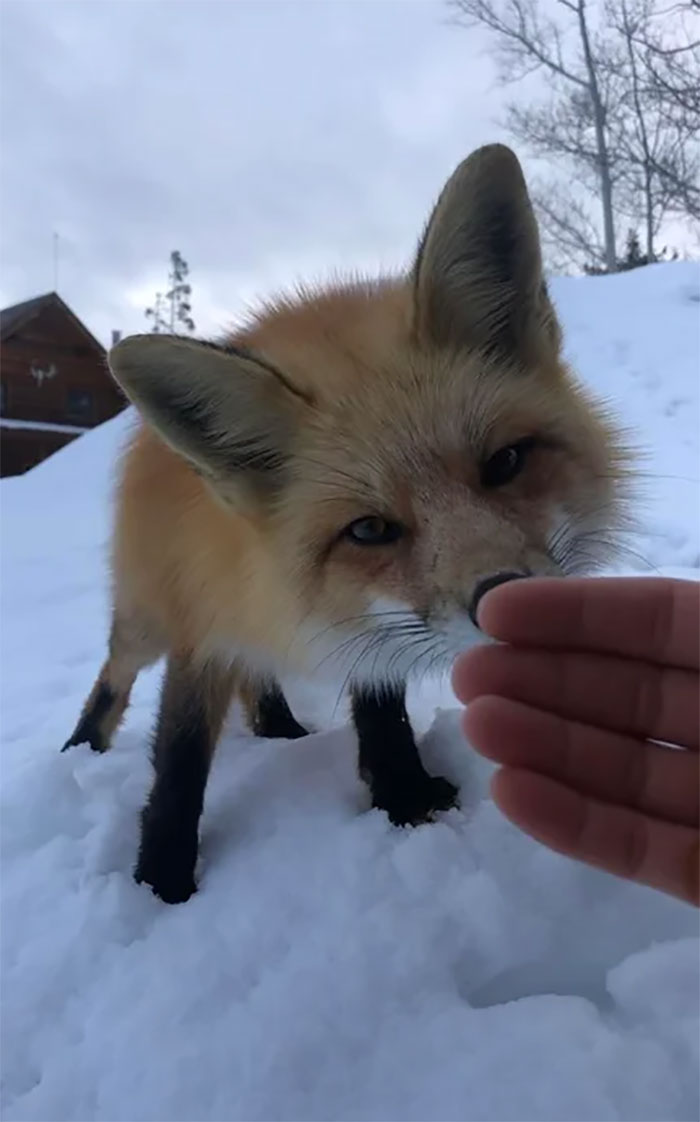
623,111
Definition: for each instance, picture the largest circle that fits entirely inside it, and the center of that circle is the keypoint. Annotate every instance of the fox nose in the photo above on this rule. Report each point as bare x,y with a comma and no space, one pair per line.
486,585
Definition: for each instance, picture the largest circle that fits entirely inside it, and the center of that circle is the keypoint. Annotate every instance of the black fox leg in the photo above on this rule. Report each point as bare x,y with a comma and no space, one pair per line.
268,712
389,761
132,646
194,703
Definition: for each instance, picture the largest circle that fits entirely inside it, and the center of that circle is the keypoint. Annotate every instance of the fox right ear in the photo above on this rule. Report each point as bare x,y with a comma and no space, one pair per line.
230,414
478,275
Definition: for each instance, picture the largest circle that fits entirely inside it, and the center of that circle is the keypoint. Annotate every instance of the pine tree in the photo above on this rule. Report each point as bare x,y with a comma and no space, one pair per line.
172,310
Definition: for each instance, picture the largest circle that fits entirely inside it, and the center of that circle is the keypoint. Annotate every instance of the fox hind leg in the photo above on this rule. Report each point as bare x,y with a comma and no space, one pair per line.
268,712
132,647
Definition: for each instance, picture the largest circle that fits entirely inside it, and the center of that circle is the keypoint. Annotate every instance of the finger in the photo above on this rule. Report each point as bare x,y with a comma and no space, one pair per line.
621,841
649,618
604,765
635,698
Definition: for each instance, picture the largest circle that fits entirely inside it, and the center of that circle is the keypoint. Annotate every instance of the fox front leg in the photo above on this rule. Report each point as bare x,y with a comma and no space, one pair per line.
389,761
194,703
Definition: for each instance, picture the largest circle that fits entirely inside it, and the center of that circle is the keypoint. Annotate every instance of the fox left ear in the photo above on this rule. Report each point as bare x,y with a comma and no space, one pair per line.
478,277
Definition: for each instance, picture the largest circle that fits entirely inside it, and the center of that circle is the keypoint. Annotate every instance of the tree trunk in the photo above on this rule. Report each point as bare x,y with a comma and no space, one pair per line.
629,31
606,191
649,207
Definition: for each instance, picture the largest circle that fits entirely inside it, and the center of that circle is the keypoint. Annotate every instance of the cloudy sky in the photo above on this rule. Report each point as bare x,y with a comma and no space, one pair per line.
267,140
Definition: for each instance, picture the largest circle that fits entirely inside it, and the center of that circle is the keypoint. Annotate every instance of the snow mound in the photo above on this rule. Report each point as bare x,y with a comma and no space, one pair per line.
330,967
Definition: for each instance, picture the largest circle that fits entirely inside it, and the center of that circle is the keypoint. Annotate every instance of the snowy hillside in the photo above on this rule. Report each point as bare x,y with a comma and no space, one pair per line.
330,967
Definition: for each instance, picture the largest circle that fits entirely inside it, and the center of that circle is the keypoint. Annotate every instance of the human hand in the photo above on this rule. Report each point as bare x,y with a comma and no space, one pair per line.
595,673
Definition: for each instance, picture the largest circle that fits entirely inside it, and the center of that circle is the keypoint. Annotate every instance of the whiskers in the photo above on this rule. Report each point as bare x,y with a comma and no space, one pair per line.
384,645
583,546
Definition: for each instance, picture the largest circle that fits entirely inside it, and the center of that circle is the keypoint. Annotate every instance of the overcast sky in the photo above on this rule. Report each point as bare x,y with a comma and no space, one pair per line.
267,140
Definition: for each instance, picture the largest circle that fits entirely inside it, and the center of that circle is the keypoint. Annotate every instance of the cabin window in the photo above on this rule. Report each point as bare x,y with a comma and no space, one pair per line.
79,406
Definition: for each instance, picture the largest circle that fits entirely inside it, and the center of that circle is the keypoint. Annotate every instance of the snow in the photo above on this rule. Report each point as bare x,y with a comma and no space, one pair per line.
40,426
330,967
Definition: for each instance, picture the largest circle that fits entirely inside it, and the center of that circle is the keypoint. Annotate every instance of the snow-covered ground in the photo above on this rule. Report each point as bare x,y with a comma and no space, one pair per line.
330,967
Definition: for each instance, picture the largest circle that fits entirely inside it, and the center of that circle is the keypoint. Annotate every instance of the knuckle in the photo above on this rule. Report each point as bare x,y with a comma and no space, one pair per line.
662,620
635,848
567,750
691,873
646,700
635,776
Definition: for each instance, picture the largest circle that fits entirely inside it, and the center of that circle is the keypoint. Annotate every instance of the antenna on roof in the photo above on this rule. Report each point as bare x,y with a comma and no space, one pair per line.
55,261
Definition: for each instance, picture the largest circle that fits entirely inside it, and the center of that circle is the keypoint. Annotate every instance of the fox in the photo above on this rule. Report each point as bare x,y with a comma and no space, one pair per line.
330,490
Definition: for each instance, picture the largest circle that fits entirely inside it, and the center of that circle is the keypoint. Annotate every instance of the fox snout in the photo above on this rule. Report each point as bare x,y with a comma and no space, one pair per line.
486,584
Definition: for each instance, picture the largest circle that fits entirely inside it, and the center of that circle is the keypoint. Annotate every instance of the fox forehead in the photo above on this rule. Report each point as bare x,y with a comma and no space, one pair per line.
352,351
328,338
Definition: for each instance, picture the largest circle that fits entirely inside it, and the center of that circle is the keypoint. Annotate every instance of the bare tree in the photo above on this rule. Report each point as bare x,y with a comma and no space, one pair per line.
569,232
656,131
172,308
672,59
623,113
574,122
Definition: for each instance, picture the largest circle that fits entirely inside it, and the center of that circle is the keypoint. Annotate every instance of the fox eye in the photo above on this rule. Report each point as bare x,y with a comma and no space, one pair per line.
506,463
373,531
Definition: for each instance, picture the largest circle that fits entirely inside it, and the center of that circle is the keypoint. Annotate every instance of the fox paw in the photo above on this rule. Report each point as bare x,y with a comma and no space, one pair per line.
166,862
417,802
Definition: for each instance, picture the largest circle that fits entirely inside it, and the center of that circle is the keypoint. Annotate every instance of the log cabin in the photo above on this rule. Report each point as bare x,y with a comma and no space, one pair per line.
54,382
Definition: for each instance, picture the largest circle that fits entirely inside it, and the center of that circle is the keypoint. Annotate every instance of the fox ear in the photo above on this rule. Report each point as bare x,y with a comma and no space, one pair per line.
478,274
225,411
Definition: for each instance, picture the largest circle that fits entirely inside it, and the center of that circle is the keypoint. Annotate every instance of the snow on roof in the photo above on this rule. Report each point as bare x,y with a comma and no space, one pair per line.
12,317
40,426
17,315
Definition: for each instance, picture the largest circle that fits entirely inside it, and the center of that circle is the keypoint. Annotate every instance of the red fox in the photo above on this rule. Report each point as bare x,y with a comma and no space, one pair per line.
333,488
